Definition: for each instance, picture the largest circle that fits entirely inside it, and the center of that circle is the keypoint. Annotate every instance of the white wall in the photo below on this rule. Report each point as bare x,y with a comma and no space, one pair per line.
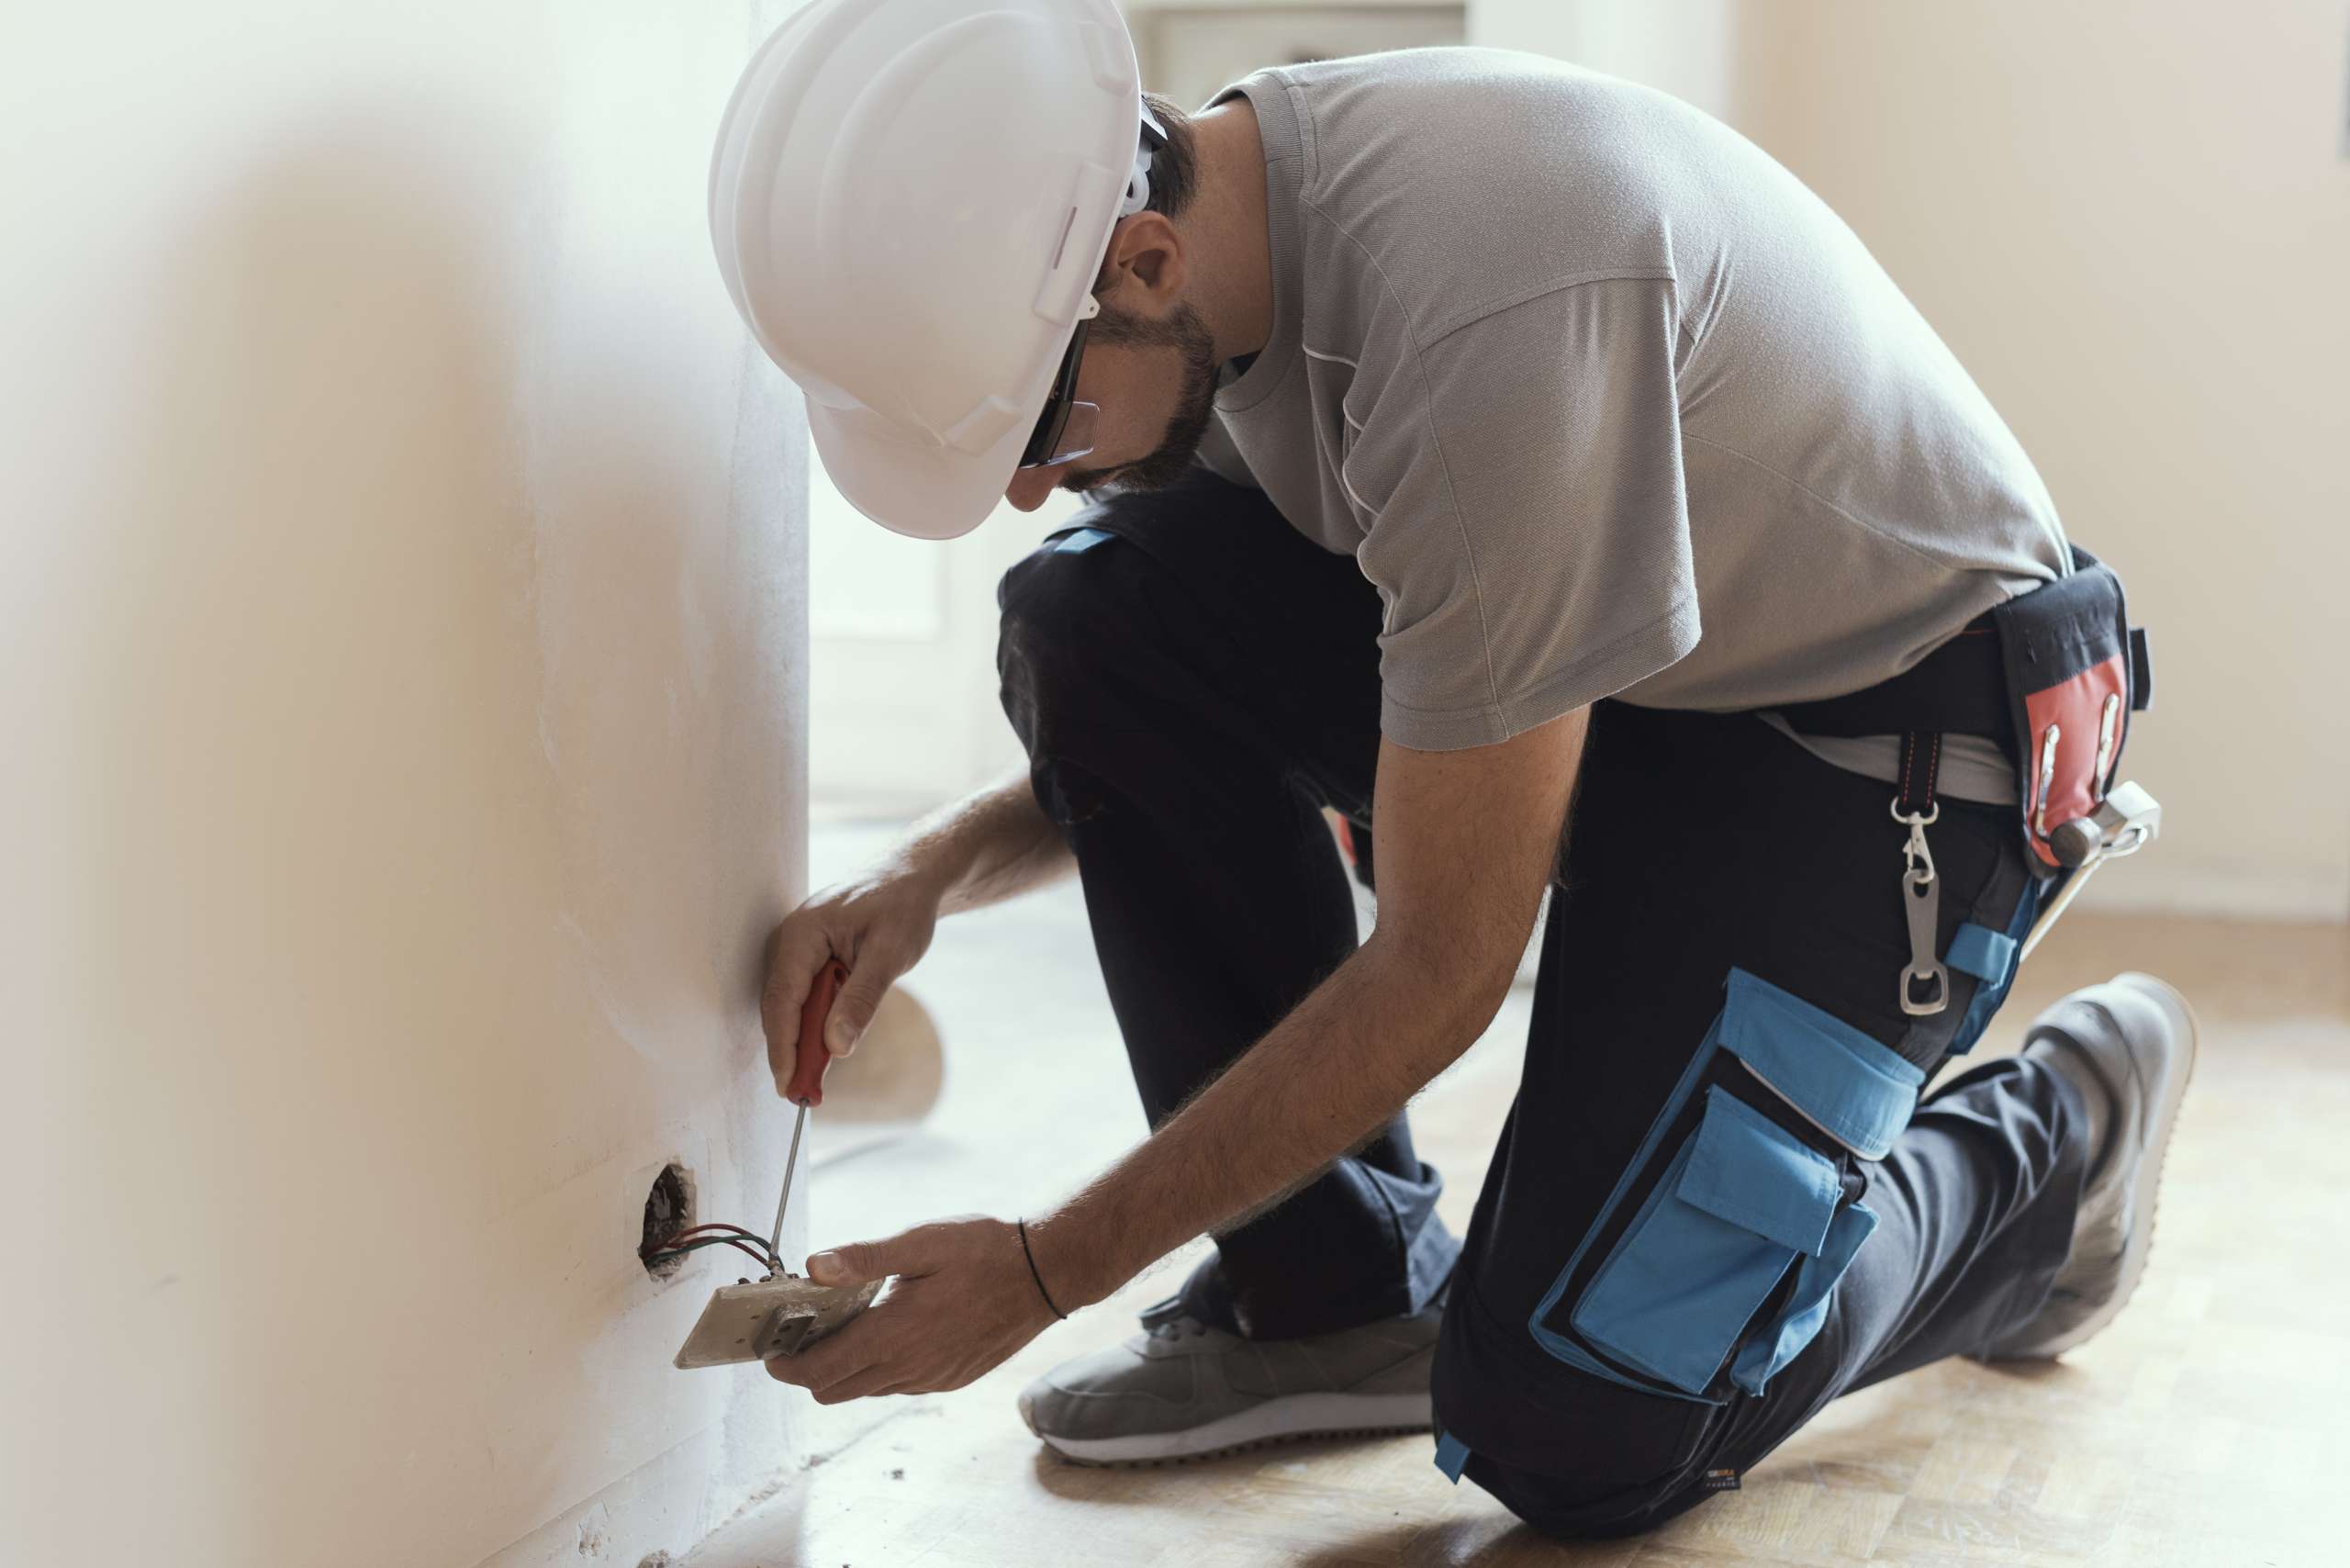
402,634
1688,48
2131,221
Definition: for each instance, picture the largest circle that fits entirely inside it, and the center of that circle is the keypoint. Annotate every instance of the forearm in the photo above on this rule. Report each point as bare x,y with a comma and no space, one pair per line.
985,848
1325,1078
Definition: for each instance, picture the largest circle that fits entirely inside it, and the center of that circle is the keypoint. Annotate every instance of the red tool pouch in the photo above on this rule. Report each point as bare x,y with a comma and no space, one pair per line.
2076,671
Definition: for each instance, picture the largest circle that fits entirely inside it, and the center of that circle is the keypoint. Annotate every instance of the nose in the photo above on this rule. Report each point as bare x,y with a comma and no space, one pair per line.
1030,487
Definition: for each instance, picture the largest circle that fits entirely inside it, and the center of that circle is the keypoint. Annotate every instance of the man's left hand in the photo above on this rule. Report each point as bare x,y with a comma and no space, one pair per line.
962,1303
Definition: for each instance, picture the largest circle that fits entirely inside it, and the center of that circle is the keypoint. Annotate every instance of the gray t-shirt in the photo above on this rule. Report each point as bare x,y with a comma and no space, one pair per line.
1604,403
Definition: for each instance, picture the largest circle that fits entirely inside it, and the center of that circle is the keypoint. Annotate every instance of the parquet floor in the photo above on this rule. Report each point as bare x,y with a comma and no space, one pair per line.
2208,1427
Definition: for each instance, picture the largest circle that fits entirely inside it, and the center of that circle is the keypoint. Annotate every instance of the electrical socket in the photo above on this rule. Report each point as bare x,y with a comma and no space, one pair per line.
759,1320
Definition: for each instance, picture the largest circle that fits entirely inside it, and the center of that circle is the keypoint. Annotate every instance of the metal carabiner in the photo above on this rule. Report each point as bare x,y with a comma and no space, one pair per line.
1919,903
1917,852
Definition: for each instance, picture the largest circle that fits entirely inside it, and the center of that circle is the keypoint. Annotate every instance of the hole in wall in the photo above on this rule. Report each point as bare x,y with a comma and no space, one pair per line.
669,1210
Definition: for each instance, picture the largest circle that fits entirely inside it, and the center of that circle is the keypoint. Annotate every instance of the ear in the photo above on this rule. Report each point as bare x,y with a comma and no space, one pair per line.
1147,265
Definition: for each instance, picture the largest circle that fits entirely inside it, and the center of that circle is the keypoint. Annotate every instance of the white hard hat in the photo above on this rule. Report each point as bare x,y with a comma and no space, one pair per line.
911,200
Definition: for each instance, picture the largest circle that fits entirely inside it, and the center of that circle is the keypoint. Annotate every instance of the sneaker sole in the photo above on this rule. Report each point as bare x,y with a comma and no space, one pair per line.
2145,1198
1298,1419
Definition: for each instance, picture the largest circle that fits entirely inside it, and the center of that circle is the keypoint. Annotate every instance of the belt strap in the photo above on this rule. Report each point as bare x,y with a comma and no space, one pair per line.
1960,687
1922,762
2142,671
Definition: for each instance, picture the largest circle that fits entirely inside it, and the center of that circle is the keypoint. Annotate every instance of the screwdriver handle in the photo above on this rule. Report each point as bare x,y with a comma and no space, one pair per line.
808,1066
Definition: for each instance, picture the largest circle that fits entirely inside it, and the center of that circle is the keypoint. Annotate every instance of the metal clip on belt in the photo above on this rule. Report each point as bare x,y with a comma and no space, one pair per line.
2126,821
1925,982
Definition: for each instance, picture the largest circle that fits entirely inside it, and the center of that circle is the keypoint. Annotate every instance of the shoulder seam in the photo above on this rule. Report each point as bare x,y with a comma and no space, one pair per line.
1310,134
1473,314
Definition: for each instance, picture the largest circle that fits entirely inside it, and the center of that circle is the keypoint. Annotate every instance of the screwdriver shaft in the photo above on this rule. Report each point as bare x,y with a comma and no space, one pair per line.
806,1085
791,1163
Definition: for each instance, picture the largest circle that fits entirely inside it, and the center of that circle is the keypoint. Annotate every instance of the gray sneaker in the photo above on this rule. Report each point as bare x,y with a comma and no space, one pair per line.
2128,1046
1182,1390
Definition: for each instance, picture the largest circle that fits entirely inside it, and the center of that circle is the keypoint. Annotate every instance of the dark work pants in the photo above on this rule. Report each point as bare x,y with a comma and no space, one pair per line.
1194,680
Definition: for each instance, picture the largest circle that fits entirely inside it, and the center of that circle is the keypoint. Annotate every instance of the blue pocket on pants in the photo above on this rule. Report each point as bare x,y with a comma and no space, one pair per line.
1740,1204
1807,1308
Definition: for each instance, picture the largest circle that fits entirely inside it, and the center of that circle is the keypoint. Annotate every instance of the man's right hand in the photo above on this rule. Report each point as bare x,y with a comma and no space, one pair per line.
879,924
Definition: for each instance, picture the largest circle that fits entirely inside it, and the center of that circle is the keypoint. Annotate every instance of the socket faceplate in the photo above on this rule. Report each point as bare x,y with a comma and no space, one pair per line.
770,1317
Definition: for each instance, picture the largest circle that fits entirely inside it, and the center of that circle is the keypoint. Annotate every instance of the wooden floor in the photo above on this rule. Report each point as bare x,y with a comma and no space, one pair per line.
2207,1427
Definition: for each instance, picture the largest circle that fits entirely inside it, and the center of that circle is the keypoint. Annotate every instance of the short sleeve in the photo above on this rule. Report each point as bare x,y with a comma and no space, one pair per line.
1528,526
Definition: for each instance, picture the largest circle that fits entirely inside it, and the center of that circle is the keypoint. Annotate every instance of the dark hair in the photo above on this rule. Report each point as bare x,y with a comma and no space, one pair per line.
1175,168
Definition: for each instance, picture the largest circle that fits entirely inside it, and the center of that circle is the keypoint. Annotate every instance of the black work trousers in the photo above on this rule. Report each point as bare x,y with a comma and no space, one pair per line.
1194,681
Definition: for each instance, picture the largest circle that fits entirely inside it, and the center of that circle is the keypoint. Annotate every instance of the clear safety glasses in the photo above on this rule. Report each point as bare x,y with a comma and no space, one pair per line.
1065,428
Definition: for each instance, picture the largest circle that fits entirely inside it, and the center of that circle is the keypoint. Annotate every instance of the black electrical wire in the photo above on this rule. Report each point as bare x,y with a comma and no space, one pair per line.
696,1230
666,1252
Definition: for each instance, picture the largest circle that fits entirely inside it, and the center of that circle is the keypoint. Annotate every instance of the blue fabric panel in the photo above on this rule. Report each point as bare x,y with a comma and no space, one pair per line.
1559,1345
1744,1168
1685,1279
1993,990
1451,1453
1982,952
1806,1308
1859,1091
1078,538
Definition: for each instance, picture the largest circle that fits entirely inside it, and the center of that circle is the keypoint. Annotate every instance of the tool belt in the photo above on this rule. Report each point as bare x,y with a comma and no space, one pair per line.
2053,677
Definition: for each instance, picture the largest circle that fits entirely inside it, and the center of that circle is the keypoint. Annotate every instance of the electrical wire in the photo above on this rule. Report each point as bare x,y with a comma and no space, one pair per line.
669,1251
695,1230
696,1236
695,1243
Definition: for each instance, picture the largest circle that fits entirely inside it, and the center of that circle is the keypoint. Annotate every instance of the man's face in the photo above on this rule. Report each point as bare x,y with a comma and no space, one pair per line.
1154,380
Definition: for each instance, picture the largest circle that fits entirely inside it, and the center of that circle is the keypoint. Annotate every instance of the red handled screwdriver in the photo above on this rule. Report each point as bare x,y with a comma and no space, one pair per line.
807,1087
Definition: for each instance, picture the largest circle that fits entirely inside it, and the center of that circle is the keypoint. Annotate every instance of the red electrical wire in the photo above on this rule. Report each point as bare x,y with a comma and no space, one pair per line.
665,1253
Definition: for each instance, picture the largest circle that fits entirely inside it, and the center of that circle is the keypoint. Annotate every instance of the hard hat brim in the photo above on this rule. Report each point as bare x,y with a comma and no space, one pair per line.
908,486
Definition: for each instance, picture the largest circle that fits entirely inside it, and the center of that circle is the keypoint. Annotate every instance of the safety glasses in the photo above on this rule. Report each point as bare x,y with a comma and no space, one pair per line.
1065,428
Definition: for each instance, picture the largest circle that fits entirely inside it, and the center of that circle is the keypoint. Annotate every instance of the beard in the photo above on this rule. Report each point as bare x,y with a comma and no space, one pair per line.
1188,335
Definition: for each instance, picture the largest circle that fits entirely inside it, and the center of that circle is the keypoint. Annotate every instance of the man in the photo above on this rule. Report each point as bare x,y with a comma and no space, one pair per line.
1475,435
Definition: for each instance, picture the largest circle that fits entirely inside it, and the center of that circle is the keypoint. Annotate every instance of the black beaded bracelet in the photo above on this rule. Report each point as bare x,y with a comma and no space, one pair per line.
1033,1274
